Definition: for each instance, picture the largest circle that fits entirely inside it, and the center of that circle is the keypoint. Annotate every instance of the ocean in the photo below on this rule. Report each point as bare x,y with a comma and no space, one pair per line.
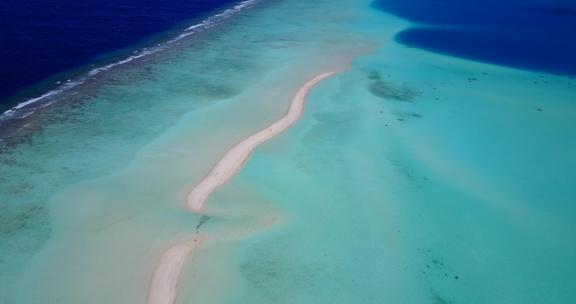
44,42
422,173
535,35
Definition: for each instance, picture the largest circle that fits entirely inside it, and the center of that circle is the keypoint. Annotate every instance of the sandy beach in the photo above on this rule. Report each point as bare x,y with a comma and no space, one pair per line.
164,285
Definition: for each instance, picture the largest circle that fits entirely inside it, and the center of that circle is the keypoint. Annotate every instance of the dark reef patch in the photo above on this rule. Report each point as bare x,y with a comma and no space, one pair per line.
23,231
438,299
373,75
386,90
403,116
12,222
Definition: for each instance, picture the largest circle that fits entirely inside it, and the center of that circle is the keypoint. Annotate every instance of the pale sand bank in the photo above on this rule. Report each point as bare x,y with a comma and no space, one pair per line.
163,287
165,279
235,157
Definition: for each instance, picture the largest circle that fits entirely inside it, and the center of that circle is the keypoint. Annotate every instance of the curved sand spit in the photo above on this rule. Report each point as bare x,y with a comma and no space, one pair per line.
231,163
165,279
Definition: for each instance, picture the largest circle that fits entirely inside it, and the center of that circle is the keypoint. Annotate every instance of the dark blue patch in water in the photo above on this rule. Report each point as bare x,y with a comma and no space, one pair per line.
537,35
39,38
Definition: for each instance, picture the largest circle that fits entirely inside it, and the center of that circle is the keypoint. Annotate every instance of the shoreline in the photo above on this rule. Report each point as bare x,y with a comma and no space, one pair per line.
164,284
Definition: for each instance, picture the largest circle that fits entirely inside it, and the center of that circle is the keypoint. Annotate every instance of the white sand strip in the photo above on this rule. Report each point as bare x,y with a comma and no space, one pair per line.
165,279
231,163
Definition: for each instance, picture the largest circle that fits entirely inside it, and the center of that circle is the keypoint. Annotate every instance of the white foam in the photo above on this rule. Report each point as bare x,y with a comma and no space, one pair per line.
195,26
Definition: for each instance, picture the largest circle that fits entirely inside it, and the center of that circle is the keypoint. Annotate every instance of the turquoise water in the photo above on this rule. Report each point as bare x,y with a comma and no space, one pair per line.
411,178
450,197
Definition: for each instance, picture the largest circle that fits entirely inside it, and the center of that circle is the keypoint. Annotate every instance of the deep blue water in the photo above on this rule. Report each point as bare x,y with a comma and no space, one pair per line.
537,35
39,38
